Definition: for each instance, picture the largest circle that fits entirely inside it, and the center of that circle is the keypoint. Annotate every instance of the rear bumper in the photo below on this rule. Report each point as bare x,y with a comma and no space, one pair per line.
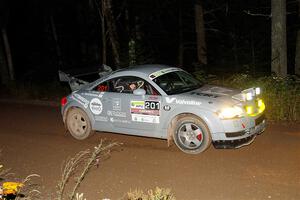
241,138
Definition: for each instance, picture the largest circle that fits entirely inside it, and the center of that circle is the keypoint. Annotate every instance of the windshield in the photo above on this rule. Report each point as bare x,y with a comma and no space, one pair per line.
177,82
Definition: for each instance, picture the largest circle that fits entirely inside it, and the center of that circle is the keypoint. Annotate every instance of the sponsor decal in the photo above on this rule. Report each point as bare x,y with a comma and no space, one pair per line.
145,118
80,99
162,72
113,120
153,98
145,107
91,94
96,106
167,107
116,104
152,105
101,94
94,94
152,76
101,118
182,101
145,111
116,113
137,104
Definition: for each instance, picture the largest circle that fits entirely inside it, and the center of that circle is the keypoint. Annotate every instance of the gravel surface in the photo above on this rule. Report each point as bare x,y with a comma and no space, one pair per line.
33,140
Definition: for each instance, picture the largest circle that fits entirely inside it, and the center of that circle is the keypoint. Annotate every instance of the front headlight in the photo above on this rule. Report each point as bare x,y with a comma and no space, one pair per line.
257,91
231,112
251,93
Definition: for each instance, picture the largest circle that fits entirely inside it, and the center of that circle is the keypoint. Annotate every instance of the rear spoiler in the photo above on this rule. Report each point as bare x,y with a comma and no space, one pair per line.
76,83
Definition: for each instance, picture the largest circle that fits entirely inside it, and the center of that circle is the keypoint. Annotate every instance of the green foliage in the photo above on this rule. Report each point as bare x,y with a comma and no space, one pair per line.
204,77
201,76
157,194
281,95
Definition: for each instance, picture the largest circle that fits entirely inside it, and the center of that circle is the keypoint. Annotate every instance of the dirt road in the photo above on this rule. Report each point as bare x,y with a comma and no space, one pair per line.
33,140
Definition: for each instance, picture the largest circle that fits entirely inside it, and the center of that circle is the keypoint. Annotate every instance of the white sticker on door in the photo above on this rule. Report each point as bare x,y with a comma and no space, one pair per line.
96,106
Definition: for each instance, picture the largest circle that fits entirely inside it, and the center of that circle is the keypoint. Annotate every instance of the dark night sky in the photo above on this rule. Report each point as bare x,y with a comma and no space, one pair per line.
229,32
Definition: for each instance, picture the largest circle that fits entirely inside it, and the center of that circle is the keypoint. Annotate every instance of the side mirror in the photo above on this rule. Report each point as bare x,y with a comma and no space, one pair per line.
139,92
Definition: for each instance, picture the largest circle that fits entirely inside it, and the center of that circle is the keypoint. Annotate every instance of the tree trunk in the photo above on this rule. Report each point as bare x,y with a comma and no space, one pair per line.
103,29
181,45
200,31
58,50
8,55
297,56
235,52
3,66
279,47
253,54
112,30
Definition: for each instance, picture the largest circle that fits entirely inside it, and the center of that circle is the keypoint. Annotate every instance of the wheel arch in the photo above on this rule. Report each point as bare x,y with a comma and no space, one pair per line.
213,124
71,106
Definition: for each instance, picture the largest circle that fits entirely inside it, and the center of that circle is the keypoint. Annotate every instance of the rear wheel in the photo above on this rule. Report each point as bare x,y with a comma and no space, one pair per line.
191,134
78,124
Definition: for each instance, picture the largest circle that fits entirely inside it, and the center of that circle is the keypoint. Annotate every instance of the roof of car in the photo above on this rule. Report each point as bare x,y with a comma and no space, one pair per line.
145,69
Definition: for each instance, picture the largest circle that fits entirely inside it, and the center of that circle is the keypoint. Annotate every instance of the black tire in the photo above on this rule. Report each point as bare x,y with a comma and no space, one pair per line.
78,124
191,134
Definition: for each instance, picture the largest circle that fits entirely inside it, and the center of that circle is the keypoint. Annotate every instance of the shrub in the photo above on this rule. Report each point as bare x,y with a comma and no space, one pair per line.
157,194
281,95
27,189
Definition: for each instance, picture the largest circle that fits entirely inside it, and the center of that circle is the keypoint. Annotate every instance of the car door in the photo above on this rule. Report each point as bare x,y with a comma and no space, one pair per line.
131,113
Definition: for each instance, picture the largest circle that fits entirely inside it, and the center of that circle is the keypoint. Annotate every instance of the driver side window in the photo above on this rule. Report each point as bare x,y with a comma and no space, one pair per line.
126,84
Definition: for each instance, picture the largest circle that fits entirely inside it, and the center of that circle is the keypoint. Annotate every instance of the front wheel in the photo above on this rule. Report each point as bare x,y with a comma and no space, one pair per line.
78,124
191,134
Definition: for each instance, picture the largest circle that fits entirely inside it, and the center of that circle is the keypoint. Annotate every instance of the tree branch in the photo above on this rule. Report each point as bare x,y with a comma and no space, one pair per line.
257,14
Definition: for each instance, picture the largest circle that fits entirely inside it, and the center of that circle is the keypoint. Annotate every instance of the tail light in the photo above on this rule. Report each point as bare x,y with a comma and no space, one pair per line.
63,101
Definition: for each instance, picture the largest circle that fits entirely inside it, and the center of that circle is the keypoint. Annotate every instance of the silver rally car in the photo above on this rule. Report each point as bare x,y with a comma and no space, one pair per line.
163,102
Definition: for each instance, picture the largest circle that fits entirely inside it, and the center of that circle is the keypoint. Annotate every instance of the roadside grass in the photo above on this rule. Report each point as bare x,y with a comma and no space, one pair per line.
26,189
74,171
156,194
80,164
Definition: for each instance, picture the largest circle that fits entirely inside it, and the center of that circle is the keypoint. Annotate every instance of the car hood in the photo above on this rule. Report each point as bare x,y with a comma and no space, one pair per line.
218,91
214,96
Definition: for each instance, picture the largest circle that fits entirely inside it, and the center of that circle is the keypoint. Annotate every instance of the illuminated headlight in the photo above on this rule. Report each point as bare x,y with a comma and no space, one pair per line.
249,110
261,106
251,93
254,110
249,96
257,91
231,112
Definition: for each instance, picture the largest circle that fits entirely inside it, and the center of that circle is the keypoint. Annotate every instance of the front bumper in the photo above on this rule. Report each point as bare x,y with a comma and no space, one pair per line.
241,138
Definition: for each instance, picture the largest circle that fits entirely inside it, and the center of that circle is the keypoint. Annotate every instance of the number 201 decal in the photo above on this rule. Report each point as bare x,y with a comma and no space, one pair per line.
152,105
